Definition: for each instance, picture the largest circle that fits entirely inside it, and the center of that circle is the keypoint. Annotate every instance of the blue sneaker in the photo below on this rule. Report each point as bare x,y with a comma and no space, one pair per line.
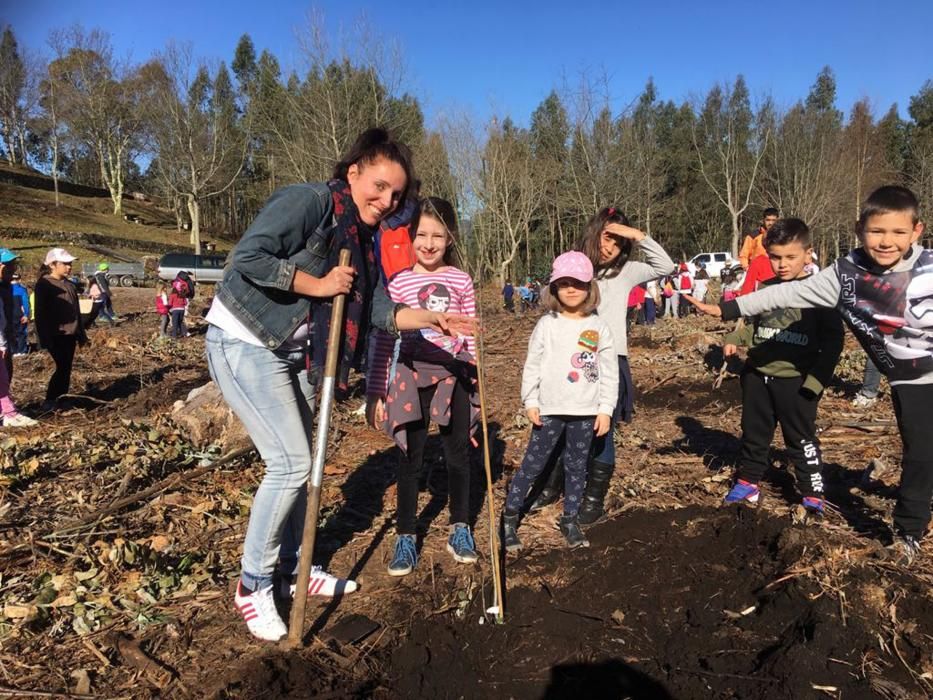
743,491
814,505
405,557
461,544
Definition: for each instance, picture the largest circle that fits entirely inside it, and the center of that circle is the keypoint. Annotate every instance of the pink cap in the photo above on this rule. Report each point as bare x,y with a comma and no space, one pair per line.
574,265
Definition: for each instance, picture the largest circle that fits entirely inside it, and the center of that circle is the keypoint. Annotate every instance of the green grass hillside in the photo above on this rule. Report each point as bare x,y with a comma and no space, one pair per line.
29,221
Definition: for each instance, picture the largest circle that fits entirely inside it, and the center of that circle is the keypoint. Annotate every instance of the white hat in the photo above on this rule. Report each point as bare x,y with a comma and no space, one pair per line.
59,255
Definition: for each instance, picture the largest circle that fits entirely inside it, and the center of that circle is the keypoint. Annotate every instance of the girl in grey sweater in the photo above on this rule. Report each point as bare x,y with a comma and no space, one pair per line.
609,242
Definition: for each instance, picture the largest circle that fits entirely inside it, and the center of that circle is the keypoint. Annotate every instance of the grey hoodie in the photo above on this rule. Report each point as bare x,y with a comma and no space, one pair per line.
890,311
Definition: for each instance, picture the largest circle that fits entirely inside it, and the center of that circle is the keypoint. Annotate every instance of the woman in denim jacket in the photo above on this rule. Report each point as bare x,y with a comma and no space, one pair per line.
267,339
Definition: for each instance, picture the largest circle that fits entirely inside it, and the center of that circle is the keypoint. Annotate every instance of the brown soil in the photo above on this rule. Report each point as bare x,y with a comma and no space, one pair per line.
676,598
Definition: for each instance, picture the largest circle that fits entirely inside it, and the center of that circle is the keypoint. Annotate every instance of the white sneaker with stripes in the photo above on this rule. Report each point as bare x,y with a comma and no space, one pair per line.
258,609
320,583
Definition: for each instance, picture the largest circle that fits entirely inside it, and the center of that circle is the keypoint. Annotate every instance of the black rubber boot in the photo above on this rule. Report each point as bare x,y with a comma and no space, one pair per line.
598,476
510,533
553,488
570,529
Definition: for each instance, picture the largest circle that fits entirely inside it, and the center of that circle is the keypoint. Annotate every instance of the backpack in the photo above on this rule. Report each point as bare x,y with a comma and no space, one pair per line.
184,285
395,250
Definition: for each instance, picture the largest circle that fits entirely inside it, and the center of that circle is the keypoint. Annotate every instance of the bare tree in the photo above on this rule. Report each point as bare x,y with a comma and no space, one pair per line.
200,146
730,145
12,88
346,89
804,172
98,101
510,193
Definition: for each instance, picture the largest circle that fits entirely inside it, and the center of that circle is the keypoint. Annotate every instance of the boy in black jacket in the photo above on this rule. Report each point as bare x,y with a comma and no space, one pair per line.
791,358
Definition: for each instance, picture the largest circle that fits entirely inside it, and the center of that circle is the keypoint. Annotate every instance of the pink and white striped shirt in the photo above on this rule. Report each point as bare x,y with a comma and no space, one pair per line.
447,290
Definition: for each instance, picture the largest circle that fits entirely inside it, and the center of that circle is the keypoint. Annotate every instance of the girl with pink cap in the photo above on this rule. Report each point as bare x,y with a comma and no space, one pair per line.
569,388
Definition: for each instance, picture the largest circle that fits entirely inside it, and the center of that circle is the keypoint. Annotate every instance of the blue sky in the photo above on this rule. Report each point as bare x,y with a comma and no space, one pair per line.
504,57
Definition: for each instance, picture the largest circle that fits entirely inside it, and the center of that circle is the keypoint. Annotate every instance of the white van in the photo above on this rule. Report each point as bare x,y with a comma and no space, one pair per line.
204,268
714,263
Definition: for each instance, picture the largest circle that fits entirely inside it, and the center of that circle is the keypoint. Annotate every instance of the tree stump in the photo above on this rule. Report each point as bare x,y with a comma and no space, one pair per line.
209,421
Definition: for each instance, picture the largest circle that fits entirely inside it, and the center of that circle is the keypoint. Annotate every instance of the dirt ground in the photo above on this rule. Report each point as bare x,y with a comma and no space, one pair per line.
119,549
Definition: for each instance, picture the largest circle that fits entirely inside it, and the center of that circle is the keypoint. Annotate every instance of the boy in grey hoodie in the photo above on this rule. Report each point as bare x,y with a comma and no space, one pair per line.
884,292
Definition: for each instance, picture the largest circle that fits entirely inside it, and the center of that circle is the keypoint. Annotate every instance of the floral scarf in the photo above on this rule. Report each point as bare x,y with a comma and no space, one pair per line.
352,233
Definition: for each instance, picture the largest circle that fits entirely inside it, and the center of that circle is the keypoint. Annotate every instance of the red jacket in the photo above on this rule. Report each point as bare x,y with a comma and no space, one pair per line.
636,296
759,270
161,305
176,301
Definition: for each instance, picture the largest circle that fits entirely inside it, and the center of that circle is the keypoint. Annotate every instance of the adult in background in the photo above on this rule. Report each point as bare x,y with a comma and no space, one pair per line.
508,296
58,320
754,245
103,300
7,270
265,358
21,314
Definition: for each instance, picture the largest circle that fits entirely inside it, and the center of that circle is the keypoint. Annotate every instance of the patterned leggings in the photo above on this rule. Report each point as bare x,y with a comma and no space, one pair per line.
543,441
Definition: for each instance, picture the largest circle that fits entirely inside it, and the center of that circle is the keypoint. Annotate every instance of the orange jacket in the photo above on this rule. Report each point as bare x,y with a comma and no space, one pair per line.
752,247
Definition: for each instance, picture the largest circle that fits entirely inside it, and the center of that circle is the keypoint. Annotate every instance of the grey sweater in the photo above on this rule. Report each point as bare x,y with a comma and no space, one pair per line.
882,307
571,368
614,291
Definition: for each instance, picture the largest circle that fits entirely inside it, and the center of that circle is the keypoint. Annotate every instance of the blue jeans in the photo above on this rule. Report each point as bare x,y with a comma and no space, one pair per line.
273,396
21,338
871,380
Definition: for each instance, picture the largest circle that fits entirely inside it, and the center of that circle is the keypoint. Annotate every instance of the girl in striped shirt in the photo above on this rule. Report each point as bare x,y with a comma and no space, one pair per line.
433,379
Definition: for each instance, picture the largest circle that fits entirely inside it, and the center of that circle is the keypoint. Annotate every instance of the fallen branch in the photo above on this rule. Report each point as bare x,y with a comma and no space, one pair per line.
131,652
659,383
86,397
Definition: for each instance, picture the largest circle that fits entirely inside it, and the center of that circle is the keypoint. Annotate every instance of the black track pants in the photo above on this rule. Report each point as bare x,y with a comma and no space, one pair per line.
912,406
455,438
767,402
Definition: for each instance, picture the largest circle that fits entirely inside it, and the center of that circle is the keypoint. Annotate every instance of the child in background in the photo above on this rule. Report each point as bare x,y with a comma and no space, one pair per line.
684,284
161,304
730,285
636,300
671,298
178,306
21,316
791,359
652,301
701,284
433,380
10,415
569,385
884,292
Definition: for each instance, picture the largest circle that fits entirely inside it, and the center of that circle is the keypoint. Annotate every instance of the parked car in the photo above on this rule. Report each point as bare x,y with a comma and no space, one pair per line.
204,268
714,263
123,274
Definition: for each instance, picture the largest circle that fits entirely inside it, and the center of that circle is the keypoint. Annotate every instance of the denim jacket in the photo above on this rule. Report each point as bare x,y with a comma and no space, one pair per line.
293,231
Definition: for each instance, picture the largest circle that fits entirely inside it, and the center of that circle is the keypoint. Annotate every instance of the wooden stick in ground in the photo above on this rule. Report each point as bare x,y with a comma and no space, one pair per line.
297,618
490,504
